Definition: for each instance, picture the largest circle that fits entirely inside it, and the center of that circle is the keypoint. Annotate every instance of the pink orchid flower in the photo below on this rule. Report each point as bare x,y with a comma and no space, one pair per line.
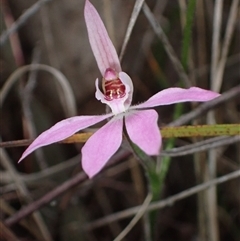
117,91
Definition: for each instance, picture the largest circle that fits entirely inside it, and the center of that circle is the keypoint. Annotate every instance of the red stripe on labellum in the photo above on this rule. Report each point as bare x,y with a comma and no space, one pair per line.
113,89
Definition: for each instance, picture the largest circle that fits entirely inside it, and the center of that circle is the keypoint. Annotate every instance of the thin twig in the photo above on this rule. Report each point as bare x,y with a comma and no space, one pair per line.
174,152
167,132
218,77
201,146
59,190
6,208
44,174
138,215
26,98
205,69
51,195
25,211
68,103
216,41
217,71
15,45
7,234
136,10
208,209
21,20
169,49
162,204
21,187
48,38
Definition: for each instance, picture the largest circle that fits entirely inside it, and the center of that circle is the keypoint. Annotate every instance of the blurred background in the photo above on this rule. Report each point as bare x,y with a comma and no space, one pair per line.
54,34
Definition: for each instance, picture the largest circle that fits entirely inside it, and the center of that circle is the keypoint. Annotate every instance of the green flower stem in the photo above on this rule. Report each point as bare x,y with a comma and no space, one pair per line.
165,163
149,165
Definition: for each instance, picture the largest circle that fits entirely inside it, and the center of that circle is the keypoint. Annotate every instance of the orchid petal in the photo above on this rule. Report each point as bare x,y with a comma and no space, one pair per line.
127,81
143,130
101,146
177,95
102,47
118,105
63,130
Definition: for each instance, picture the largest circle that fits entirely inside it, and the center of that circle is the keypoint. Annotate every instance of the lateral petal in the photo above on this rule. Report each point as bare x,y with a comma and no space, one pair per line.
177,95
63,130
102,47
143,130
127,81
101,146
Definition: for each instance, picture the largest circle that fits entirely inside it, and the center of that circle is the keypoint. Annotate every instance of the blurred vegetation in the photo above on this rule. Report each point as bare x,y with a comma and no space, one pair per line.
56,36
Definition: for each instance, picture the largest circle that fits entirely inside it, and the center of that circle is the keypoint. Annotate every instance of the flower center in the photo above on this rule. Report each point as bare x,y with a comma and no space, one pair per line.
113,87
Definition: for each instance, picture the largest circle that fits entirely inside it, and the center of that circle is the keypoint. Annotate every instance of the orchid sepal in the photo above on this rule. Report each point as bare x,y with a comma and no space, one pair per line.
103,49
63,130
177,95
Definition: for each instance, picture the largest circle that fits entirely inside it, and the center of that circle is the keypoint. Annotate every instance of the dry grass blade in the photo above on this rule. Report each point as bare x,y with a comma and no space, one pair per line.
138,215
217,69
164,203
218,77
68,103
24,193
201,146
45,199
38,177
132,21
26,97
216,40
70,110
60,189
7,234
169,49
7,209
21,20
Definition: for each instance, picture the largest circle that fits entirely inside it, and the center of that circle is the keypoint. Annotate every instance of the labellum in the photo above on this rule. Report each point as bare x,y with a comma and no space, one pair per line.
113,87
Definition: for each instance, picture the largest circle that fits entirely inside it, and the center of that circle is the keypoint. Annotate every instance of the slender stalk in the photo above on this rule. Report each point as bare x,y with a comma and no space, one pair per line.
166,132
170,201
